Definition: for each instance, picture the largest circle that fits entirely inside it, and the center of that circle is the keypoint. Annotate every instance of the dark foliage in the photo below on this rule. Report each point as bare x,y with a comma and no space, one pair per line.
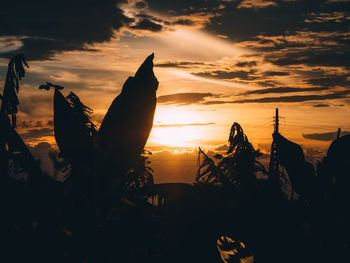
239,167
15,72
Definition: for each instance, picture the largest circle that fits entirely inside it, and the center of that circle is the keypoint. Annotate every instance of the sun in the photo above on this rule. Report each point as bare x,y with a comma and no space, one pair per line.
184,136
176,127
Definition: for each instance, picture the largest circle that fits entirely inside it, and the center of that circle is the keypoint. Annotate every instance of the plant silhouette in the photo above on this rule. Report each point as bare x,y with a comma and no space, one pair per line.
238,168
12,147
109,209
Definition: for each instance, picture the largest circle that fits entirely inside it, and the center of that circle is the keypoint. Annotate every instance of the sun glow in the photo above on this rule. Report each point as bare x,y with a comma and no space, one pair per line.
177,127
176,136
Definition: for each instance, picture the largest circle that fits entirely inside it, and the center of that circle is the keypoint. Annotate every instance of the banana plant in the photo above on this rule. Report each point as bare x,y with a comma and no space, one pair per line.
114,152
238,168
12,147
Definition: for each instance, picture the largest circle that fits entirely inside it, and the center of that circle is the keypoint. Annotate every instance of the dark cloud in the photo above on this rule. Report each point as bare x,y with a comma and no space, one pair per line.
339,55
185,98
329,81
222,148
282,90
321,105
286,99
37,133
48,27
267,83
246,64
179,64
30,124
146,24
183,22
327,136
144,21
219,74
33,105
275,73
202,98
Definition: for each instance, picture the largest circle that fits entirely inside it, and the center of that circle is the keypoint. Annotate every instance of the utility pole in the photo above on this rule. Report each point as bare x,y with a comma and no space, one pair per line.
274,162
338,134
277,122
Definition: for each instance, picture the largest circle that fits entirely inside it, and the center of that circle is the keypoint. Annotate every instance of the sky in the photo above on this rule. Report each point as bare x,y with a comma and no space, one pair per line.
217,62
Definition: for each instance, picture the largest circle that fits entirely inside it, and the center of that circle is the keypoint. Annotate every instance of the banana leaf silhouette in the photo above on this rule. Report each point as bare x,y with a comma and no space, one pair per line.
12,146
15,72
300,172
208,172
126,127
73,128
124,131
238,168
333,170
15,149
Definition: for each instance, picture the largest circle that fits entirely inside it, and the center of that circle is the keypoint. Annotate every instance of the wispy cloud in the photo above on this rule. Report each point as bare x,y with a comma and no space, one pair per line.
185,98
327,136
256,4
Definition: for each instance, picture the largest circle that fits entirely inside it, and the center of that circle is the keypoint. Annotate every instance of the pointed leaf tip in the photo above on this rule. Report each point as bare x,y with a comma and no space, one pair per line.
150,57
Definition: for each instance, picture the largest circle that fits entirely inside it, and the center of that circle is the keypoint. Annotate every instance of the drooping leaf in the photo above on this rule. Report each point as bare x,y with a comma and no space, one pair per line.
73,128
15,73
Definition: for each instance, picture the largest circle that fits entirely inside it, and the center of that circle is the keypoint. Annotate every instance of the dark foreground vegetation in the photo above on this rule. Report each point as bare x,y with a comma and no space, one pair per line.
109,210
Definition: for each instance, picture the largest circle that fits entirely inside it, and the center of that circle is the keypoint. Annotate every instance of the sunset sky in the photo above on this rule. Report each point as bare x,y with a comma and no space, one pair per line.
217,62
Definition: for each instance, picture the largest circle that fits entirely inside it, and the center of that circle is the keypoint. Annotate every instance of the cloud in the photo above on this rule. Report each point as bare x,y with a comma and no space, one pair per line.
202,98
327,136
321,105
275,73
220,74
37,133
35,105
147,20
256,4
185,98
48,27
30,124
286,99
337,17
246,64
222,148
180,64
146,24
331,81
282,90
